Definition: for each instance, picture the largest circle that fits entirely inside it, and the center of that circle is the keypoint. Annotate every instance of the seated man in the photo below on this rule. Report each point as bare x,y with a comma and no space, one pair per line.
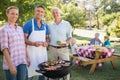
96,40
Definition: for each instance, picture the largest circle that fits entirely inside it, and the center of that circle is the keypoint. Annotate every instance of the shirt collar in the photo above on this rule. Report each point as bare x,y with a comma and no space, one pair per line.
59,23
35,22
11,25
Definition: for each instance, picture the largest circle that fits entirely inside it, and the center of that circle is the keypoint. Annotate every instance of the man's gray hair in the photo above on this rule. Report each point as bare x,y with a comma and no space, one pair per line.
56,8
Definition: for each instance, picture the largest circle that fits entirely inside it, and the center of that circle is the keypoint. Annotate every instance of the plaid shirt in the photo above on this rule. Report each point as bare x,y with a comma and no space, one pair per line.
13,39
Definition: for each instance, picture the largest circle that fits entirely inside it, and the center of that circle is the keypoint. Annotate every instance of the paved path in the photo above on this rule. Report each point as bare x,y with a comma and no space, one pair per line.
89,33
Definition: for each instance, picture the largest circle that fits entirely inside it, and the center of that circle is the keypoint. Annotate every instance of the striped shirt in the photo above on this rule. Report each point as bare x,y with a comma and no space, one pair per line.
13,40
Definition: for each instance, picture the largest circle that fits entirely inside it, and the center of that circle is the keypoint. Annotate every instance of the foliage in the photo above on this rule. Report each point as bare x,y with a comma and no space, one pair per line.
113,28
106,9
72,12
112,6
110,30
117,30
108,18
26,9
74,15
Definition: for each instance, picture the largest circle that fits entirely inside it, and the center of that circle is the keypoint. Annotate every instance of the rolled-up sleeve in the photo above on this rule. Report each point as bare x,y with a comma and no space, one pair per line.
69,31
3,39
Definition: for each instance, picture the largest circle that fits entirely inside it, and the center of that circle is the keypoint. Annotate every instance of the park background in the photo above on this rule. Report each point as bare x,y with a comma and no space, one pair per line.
86,18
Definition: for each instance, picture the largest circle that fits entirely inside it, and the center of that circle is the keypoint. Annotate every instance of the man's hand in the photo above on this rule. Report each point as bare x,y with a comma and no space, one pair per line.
45,44
13,70
37,43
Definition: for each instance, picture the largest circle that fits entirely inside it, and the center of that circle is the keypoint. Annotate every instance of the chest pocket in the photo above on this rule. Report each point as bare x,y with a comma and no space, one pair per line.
62,31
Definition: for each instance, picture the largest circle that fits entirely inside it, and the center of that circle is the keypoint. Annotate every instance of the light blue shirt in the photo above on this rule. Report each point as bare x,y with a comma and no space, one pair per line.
59,32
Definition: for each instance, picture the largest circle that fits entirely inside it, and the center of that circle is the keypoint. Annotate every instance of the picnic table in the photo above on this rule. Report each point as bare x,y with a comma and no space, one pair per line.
86,52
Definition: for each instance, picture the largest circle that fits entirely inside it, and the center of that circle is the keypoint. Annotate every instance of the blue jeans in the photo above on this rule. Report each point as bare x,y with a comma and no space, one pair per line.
40,77
21,73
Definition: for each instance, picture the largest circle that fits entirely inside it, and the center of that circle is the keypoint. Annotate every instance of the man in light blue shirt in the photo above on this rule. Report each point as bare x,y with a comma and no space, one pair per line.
60,36
60,32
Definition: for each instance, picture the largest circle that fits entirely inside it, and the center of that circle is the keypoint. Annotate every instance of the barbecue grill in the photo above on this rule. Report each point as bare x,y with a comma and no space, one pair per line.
57,73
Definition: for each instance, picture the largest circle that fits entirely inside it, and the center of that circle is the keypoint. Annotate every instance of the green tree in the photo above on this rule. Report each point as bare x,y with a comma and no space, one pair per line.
117,30
74,15
26,8
111,21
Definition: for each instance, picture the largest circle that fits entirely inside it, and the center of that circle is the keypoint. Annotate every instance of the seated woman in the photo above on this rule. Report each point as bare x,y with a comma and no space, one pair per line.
96,40
107,42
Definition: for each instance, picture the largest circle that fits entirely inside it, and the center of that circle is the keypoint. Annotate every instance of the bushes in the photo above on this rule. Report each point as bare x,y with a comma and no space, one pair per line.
112,21
117,30
108,18
74,15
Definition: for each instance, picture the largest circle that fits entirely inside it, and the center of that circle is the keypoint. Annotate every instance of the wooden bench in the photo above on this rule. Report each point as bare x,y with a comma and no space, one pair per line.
80,58
83,59
116,54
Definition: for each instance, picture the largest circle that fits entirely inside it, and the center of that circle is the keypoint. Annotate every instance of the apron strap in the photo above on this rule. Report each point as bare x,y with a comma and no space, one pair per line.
32,24
45,29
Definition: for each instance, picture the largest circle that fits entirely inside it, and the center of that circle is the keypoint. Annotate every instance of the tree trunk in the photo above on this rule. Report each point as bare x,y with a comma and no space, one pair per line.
97,22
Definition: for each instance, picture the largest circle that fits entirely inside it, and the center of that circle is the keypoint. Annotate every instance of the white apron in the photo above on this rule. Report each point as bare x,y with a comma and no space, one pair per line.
37,54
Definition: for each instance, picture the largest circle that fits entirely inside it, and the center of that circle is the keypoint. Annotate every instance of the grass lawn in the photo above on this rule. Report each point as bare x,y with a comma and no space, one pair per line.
82,73
1,70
